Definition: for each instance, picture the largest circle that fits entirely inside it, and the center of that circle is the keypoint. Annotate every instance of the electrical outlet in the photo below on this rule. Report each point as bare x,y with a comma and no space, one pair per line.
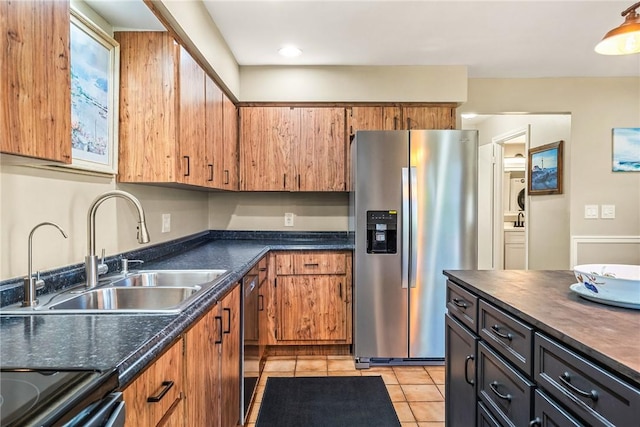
608,211
591,211
288,219
166,223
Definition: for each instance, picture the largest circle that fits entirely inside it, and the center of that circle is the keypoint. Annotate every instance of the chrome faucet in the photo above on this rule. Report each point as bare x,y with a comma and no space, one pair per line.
91,260
31,284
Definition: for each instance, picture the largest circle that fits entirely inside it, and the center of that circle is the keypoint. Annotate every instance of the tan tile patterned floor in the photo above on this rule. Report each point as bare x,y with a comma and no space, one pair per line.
417,392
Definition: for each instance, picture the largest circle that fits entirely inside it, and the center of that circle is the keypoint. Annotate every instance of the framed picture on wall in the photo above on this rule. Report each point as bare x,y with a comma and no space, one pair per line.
545,169
626,149
94,96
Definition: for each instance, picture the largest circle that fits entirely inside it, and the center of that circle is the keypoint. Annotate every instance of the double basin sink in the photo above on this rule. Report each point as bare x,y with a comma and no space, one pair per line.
150,291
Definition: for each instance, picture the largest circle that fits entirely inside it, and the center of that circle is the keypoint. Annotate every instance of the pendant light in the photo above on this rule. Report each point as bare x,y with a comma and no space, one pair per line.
625,39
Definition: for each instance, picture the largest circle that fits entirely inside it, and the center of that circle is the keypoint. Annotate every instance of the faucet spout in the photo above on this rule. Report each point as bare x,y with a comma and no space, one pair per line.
30,284
91,260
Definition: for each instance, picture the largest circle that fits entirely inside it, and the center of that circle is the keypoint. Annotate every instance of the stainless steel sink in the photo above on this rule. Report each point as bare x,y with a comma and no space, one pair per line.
147,291
129,299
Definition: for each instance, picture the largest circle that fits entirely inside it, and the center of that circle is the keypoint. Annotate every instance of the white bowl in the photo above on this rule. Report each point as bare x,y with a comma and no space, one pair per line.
611,281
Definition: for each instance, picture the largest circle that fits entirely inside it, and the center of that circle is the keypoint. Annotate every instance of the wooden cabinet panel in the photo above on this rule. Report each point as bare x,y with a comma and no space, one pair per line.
230,149
265,155
460,401
463,305
230,359
36,84
191,88
202,371
214,134
320,150
429,117
148,114
373,118
312,308
162,380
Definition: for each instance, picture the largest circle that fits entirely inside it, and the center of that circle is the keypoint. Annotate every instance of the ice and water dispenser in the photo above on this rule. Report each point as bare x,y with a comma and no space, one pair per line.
382,232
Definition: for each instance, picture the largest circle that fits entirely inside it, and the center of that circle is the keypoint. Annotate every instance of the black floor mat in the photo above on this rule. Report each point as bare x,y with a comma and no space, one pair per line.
326,402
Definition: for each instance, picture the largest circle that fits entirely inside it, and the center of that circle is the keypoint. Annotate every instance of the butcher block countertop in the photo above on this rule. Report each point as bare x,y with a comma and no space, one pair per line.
608,335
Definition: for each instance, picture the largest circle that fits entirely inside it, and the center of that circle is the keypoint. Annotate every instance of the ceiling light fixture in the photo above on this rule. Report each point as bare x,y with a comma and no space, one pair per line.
290,51
624,39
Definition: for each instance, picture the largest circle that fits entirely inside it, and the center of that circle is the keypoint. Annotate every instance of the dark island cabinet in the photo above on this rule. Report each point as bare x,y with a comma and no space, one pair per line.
503,371
461,346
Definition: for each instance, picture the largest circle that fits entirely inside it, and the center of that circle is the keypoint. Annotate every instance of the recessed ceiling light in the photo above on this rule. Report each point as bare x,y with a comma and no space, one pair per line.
290,51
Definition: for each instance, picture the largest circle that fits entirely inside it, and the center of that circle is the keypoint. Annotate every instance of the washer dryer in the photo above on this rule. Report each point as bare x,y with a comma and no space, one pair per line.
516,191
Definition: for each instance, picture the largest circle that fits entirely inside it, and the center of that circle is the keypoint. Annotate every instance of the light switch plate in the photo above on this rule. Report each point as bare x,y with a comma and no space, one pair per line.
591,211
288,219
608,211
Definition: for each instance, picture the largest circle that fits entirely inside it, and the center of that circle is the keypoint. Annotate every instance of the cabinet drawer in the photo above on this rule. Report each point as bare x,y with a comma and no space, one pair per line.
548,413
593,394
157,391
506,393
311,262
510,337
463,305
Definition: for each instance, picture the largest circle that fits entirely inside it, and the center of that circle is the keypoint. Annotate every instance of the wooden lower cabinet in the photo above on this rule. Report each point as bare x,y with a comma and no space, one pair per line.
311,298
212,366
155,398
461,350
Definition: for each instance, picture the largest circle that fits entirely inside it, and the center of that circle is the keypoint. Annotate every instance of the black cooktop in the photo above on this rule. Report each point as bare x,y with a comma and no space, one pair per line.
47,397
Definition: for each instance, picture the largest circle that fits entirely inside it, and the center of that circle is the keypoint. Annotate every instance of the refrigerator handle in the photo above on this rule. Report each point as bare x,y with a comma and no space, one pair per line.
413,263
405,228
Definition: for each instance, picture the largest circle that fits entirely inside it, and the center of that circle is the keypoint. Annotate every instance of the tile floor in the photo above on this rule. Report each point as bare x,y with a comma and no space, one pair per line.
417,392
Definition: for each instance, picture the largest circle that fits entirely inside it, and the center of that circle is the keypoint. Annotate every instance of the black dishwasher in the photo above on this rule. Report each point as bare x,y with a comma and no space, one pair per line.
250,341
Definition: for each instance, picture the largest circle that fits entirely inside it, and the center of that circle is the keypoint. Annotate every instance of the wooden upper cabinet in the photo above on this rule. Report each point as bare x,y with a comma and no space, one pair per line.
292,149
265,148
373,118
432,117
172,127
214,135
191,132
36,82
230,155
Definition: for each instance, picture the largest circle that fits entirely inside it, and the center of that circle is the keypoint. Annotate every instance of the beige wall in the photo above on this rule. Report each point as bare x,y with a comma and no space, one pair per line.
547,216
30,196
265,211
596,105
354,84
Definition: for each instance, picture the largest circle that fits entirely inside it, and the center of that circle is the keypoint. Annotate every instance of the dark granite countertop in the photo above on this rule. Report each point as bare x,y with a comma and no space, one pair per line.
130,342
605,334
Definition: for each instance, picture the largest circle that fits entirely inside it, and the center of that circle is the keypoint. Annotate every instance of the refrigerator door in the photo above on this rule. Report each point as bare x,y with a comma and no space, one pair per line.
380,294
444,228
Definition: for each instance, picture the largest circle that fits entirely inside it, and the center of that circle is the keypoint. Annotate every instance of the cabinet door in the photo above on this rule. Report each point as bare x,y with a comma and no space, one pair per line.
265,144
35,83
312,307
230,135
373,118
148,114
230,363
320,162
202,371
157,391
192,167
429,117
460,401
214,135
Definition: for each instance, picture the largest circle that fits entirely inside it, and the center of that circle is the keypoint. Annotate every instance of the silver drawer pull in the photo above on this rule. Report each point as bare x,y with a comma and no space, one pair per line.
460,303
496,329
494,388
565,379
535,422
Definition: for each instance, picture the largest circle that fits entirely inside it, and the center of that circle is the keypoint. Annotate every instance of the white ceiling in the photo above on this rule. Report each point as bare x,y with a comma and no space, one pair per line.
515,38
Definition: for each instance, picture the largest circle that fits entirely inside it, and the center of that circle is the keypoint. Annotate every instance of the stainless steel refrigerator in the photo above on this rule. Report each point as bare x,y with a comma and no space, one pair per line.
413,209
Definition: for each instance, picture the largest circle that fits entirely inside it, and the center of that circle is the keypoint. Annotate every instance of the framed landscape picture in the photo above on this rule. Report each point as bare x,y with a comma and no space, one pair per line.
626,149
94,97
545,169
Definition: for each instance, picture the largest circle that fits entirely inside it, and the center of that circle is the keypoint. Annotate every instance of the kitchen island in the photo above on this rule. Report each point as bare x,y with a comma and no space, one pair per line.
527,349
